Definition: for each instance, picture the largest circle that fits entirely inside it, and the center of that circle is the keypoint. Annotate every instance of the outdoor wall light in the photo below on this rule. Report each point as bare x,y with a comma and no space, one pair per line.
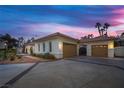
60,45
111,45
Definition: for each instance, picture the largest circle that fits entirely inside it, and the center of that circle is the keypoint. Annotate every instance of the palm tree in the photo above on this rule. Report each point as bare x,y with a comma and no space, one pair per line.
122,34
102,31
106,26
98,26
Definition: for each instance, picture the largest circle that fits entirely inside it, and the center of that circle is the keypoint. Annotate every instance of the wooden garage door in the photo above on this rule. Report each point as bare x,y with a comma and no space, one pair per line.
69,50
100,50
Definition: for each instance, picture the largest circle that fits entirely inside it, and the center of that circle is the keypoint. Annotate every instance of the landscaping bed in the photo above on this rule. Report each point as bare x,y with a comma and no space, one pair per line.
23,59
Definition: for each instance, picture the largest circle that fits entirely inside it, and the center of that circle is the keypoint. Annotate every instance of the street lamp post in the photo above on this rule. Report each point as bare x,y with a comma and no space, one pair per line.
5,54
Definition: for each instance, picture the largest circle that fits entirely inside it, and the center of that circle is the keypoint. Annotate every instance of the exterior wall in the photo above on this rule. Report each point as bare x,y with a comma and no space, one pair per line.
57,47
110,47
89,53
2,46
70,42
19,50
78,47
28,49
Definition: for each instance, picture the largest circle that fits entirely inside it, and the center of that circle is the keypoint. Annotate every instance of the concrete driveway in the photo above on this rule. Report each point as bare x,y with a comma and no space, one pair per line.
71,73
9,71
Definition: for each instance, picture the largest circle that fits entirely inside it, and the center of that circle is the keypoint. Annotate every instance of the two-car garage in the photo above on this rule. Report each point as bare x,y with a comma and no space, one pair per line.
100,50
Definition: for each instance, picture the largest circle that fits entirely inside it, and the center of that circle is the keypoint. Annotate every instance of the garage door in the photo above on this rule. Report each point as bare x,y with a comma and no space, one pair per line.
69,50
100,50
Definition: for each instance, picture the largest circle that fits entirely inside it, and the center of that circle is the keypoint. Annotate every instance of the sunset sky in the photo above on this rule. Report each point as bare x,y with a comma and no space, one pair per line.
76,21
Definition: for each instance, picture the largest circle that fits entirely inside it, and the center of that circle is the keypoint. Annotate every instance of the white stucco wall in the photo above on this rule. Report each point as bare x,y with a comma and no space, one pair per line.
57,47
89,50
111,49
28,49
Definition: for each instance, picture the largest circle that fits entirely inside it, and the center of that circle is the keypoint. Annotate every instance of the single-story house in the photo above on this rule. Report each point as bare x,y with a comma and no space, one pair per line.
99,47
63,46
57,44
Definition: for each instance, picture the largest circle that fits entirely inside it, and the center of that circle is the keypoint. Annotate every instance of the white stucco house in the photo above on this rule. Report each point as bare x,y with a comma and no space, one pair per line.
57,44
63,46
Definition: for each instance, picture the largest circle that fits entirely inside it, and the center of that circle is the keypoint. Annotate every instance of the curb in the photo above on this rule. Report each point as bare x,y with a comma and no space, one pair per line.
119,67
16,78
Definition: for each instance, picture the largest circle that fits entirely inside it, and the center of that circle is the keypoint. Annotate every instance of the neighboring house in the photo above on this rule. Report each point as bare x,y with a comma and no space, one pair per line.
29,48
57,44
99,46
2,45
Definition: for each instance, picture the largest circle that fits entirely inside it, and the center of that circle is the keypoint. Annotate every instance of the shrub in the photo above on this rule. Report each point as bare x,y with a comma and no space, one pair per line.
48,56
37,55
19,56
33,54
12,58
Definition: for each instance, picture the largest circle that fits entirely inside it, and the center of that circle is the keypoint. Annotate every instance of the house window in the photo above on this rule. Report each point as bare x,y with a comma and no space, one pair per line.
38,47
50,46
43,47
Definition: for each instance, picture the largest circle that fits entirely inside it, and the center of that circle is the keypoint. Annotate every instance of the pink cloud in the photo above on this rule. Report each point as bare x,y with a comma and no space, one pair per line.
72,31
118,17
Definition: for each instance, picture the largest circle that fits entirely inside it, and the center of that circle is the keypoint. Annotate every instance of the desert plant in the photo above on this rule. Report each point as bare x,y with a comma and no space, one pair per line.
12,58
18,56
37,55
48,56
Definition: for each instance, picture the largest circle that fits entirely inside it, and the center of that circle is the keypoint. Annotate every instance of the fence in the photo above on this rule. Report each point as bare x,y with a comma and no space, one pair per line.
119,51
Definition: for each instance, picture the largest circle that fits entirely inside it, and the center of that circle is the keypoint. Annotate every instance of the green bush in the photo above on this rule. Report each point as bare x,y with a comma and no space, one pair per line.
48,56
37,55
45,56
33,54
2,54
7,54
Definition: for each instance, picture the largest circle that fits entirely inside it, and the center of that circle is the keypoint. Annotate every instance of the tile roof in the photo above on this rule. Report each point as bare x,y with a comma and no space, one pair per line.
96,39
55,35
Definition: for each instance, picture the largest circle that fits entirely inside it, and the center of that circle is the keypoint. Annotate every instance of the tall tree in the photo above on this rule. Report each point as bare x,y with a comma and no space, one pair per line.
20,42
102,31
106,26
98,26
122,34
11,42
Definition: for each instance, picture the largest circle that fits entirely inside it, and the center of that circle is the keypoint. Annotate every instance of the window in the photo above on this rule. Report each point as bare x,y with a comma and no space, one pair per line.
43,47
50,46
38,47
